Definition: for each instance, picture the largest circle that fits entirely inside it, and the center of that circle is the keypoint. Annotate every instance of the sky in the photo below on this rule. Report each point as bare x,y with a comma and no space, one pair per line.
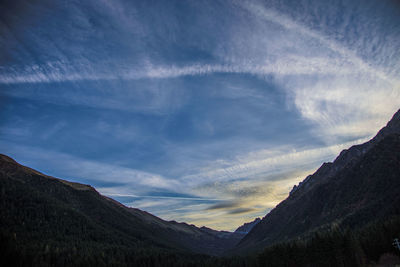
204,111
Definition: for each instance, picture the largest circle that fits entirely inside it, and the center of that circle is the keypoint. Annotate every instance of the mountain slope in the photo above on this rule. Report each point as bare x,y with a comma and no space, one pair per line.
361,185
246,227
40,209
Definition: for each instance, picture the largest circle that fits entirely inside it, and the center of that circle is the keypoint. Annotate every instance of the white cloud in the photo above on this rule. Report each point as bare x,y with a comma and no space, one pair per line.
345,106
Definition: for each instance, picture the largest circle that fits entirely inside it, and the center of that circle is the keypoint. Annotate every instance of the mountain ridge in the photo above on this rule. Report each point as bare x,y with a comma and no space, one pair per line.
360,184
329,169
102,212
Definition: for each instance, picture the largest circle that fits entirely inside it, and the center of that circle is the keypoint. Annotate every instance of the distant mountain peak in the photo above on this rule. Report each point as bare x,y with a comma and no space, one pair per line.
246,227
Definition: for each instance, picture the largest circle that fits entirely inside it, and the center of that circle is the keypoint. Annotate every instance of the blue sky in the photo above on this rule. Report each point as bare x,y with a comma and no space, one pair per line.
206,112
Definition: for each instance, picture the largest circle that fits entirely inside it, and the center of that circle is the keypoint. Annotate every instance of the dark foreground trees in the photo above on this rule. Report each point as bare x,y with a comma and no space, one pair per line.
334,247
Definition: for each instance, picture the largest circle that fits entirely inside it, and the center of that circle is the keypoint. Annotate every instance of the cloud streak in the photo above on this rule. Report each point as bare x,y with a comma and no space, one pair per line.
261,165
284,66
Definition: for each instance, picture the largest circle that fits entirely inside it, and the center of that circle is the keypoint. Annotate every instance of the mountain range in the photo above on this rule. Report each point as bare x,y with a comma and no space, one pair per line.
46,220
37,208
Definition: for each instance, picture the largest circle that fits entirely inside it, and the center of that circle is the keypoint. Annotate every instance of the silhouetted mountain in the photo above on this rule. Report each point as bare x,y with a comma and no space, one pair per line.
39,213
361,185
45,221
246,227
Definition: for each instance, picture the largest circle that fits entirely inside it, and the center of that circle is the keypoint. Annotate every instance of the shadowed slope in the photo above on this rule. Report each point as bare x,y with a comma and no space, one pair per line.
361,185
40,209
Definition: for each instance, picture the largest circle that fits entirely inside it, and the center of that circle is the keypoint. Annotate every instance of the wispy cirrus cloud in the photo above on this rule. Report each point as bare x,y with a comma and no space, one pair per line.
345,55
337,61
260,163
292,65
342,105
197,113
